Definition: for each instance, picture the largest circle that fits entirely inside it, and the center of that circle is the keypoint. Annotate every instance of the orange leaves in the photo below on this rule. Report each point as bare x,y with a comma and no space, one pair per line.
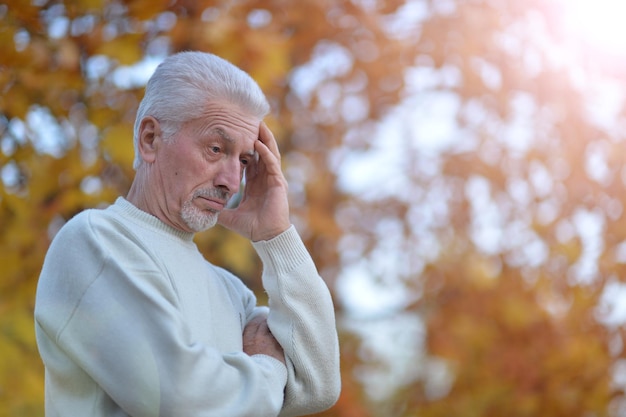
506,348
26,13
520,341
68,56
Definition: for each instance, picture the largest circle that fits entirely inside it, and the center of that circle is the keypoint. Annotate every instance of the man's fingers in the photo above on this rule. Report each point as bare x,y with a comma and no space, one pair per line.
254,325
267,137
268,158
258,339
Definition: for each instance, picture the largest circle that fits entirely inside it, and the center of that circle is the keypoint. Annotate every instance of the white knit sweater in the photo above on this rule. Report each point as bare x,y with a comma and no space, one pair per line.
132,320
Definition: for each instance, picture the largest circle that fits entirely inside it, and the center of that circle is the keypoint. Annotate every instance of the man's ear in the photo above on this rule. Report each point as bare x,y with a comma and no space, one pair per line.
149,136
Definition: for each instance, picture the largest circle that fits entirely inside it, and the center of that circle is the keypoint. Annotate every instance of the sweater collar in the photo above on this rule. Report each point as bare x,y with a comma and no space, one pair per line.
148,220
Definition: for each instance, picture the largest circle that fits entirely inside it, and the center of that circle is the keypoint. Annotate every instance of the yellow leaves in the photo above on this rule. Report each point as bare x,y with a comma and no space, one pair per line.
24,222
46,73
101,115
21,371
145,9
264,52
228,250
20,257
81,7
482,315
15,102
7,36
237,252
126,48
518,313
51,72
117,143
11,262
268,57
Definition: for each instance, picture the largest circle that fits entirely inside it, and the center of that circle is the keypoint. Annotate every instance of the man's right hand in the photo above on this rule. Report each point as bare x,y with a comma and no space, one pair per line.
258,340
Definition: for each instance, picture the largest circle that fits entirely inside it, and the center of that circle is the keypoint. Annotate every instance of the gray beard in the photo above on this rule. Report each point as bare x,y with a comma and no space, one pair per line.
201,220
196,219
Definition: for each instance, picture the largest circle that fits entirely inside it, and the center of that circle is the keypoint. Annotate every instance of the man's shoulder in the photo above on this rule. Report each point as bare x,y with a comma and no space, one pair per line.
96,235
102,228
83,223
76,253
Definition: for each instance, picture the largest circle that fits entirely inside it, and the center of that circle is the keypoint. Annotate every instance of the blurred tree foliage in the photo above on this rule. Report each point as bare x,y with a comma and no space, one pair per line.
503,242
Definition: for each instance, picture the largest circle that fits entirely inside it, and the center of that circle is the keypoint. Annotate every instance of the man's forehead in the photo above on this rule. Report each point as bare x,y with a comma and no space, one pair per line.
229,129
228,139
230,116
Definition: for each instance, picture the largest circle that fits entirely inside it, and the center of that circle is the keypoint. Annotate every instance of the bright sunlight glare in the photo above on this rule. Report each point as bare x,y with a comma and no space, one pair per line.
599,23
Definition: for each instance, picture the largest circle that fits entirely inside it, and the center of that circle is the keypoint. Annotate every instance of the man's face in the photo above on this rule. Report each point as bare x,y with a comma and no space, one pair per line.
201,167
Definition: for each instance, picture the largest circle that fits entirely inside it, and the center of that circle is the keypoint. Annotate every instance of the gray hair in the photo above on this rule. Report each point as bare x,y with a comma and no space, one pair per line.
185,82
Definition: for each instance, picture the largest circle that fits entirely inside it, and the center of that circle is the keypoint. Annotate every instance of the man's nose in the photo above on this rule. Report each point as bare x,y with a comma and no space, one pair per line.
229,176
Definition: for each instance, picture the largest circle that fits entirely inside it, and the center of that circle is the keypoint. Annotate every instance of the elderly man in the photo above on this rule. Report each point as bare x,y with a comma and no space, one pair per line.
131,320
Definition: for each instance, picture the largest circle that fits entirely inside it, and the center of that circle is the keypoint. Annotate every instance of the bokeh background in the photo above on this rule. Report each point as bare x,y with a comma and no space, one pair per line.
456,169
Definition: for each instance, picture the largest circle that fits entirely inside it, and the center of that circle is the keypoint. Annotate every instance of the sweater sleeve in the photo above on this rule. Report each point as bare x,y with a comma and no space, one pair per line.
302,320
104,304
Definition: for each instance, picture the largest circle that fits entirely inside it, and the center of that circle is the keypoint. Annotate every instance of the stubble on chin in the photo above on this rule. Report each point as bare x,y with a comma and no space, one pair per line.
196,219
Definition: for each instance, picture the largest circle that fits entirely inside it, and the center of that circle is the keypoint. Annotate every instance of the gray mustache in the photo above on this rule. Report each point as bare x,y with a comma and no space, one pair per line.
212,193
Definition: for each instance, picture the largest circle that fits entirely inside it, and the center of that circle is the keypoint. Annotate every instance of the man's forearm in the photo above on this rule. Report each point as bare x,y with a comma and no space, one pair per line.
302,320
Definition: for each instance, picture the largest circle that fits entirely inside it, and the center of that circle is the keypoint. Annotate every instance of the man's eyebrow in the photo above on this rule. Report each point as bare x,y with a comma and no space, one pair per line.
224,136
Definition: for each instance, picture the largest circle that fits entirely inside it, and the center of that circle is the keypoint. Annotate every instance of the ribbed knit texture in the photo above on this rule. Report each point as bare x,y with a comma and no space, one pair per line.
132,320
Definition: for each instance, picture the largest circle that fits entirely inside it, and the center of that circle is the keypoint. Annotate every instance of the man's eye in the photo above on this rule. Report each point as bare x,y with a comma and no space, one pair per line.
245,162
215,149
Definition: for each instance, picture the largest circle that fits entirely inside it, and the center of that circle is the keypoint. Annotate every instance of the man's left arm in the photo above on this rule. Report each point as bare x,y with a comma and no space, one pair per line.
302,319
301,314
